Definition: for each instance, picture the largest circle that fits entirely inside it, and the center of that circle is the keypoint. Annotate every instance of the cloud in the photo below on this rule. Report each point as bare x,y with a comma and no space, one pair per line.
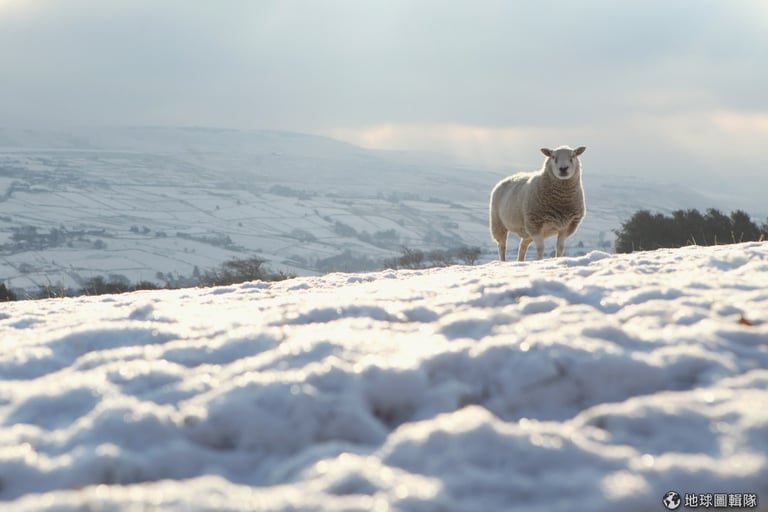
478,145
711,150
653,84
323,65
735,139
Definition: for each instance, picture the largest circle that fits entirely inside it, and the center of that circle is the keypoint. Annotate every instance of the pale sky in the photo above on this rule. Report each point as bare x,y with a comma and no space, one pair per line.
673,89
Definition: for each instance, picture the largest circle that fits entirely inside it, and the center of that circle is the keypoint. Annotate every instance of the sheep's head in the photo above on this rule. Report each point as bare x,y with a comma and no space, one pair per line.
563,162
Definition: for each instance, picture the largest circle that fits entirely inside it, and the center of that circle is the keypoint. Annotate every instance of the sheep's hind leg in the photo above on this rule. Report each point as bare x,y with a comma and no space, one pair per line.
539,247
523,249
560,247
501,241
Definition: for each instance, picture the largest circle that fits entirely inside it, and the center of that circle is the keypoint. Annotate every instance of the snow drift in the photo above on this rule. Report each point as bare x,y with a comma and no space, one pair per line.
593,383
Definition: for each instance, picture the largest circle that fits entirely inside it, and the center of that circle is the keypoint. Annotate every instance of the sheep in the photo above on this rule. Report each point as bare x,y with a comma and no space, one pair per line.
537,205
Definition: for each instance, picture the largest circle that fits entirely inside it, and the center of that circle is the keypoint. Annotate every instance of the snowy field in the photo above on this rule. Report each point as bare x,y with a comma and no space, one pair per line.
593,383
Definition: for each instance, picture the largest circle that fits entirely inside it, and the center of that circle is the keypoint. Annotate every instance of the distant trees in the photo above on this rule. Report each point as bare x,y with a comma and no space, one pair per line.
239,271
347,261
6,294
415,258
97,285
230,272
648,231
285,191
385,238
302,235
143,230
25,238
344,229
28,237
114,284
51,291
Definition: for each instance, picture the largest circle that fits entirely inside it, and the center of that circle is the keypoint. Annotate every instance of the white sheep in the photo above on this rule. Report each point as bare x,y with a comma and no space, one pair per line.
537,205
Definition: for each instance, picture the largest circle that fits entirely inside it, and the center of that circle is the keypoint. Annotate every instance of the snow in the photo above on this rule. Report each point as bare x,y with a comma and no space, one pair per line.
597,382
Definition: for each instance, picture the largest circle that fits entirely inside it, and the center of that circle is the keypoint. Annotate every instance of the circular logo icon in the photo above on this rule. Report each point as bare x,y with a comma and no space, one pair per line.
671,500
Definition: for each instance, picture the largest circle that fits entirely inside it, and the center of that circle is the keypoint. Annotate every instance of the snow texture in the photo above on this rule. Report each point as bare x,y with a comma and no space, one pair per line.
591,383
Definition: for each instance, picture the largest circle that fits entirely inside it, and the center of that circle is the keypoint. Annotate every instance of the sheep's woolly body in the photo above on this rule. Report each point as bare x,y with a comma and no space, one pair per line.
537,205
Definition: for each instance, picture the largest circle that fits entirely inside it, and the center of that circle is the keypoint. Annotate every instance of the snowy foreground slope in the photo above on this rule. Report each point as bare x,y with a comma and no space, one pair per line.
595,383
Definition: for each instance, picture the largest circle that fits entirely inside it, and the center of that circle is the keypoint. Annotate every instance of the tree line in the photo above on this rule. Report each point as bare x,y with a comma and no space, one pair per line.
230,272
236,271
418,259
648,231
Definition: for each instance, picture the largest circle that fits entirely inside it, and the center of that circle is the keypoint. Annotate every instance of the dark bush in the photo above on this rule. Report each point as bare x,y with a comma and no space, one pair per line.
240,271
6,294
647,231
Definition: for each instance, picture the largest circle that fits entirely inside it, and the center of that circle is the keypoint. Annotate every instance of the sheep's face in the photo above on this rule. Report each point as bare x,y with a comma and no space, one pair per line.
563,162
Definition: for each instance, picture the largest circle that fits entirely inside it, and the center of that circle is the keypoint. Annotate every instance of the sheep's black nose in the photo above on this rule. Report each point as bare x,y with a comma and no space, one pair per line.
563,170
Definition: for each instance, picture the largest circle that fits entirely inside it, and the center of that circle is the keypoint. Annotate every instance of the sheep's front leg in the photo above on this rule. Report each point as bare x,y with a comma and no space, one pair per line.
523,249
539,247
560,248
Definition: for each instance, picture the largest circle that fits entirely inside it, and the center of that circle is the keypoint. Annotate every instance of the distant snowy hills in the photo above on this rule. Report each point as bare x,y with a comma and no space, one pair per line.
157,204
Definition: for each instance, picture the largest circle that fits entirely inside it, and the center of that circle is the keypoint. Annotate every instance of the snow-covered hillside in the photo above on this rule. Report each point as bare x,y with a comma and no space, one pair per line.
152,204
592,383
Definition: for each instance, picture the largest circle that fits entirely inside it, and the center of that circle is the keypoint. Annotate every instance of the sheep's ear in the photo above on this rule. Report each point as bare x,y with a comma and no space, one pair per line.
579,150
546,151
